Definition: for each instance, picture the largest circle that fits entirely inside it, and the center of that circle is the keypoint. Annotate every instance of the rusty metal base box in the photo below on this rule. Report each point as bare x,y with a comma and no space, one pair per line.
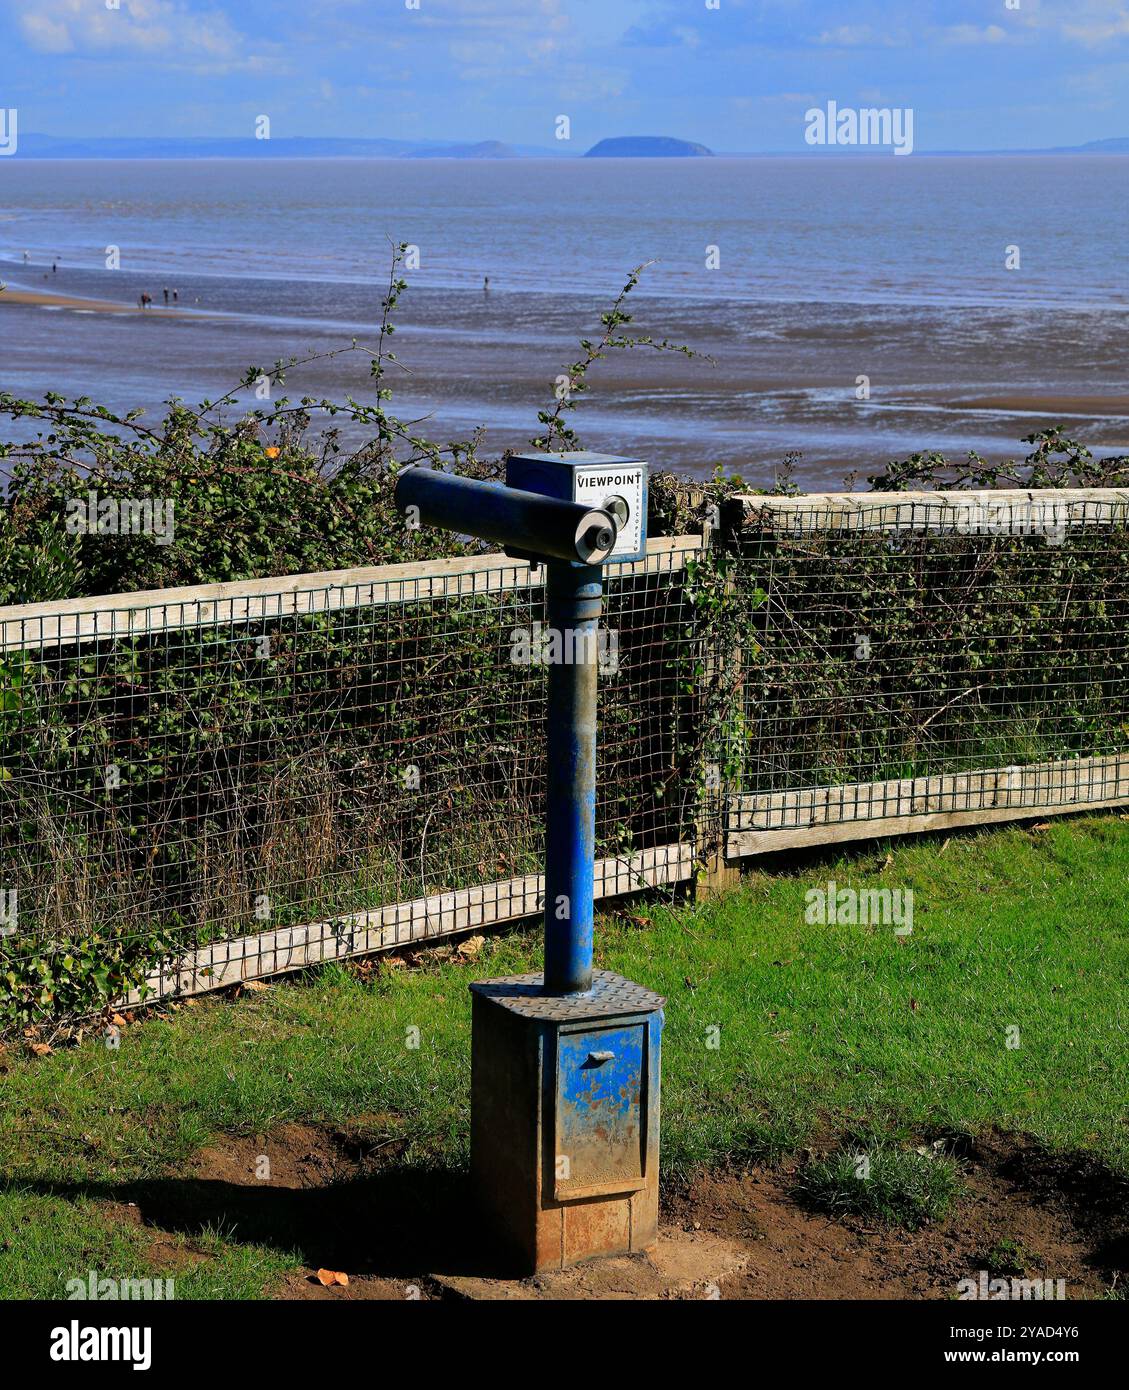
565,1118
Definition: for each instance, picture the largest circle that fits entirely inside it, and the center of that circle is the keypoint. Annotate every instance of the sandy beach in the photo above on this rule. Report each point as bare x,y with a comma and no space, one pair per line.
1111,407
45,299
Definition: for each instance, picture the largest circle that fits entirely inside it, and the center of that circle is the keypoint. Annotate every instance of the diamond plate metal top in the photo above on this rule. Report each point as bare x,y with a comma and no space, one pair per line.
610,995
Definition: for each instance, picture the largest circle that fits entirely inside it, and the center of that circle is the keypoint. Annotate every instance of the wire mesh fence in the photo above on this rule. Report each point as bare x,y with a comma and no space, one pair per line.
202,786
930,658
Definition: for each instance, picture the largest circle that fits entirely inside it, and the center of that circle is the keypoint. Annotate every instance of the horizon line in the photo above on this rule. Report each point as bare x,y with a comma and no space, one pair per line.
808,152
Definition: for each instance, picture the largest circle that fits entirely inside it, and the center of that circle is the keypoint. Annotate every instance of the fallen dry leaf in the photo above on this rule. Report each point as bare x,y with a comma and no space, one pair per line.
471,946
329,1277
259,986
118,1021
42,1049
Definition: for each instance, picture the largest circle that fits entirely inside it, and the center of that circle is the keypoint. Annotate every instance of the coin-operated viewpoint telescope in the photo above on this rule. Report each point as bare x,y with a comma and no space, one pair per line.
565,1064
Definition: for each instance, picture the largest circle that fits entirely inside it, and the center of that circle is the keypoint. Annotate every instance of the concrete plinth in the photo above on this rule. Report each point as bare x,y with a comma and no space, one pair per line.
565,1118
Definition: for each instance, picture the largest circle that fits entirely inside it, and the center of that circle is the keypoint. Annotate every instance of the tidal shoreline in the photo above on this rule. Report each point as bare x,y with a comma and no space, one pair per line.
778,377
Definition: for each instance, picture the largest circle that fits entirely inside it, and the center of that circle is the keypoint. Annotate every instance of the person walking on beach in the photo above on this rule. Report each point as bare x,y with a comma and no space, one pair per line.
54,267
166,296
27,257
486,284
176,296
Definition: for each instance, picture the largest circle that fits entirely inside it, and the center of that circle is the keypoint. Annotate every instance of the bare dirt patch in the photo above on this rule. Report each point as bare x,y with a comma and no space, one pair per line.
683,1265
1066,1217
344,1200
336,1196
166,1252
292,1156
307,1287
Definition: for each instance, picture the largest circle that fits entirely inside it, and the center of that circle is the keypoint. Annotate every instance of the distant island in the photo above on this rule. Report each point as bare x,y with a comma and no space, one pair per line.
35,146
1118,144
646,147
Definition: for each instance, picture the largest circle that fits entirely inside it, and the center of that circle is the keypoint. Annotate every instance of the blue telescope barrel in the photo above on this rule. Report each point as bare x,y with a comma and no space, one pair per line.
541,526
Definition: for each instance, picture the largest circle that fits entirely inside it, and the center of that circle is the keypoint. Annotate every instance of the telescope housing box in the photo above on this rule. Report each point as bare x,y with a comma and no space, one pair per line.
565,1118
606,481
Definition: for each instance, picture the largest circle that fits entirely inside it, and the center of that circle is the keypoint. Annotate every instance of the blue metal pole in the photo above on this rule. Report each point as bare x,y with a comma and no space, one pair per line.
574,595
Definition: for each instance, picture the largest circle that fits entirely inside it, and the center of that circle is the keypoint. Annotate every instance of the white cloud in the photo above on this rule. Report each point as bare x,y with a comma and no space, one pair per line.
509,16
45,34
1098,29
496,41
1090,22
973,33
784,99
162,30
862,36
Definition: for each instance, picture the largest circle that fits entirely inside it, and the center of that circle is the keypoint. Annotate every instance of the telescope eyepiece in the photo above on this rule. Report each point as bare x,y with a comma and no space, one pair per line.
595,538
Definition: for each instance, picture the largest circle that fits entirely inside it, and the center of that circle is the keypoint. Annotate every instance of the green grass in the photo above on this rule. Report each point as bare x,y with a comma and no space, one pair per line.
777,1032
46,1241
897,1185
1009,1259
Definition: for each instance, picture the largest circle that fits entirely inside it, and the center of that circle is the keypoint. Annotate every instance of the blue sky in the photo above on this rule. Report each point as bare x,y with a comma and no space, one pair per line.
739,76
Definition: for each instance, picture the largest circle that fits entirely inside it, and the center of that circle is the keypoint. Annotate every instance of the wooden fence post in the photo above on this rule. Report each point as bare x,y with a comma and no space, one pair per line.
714,874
